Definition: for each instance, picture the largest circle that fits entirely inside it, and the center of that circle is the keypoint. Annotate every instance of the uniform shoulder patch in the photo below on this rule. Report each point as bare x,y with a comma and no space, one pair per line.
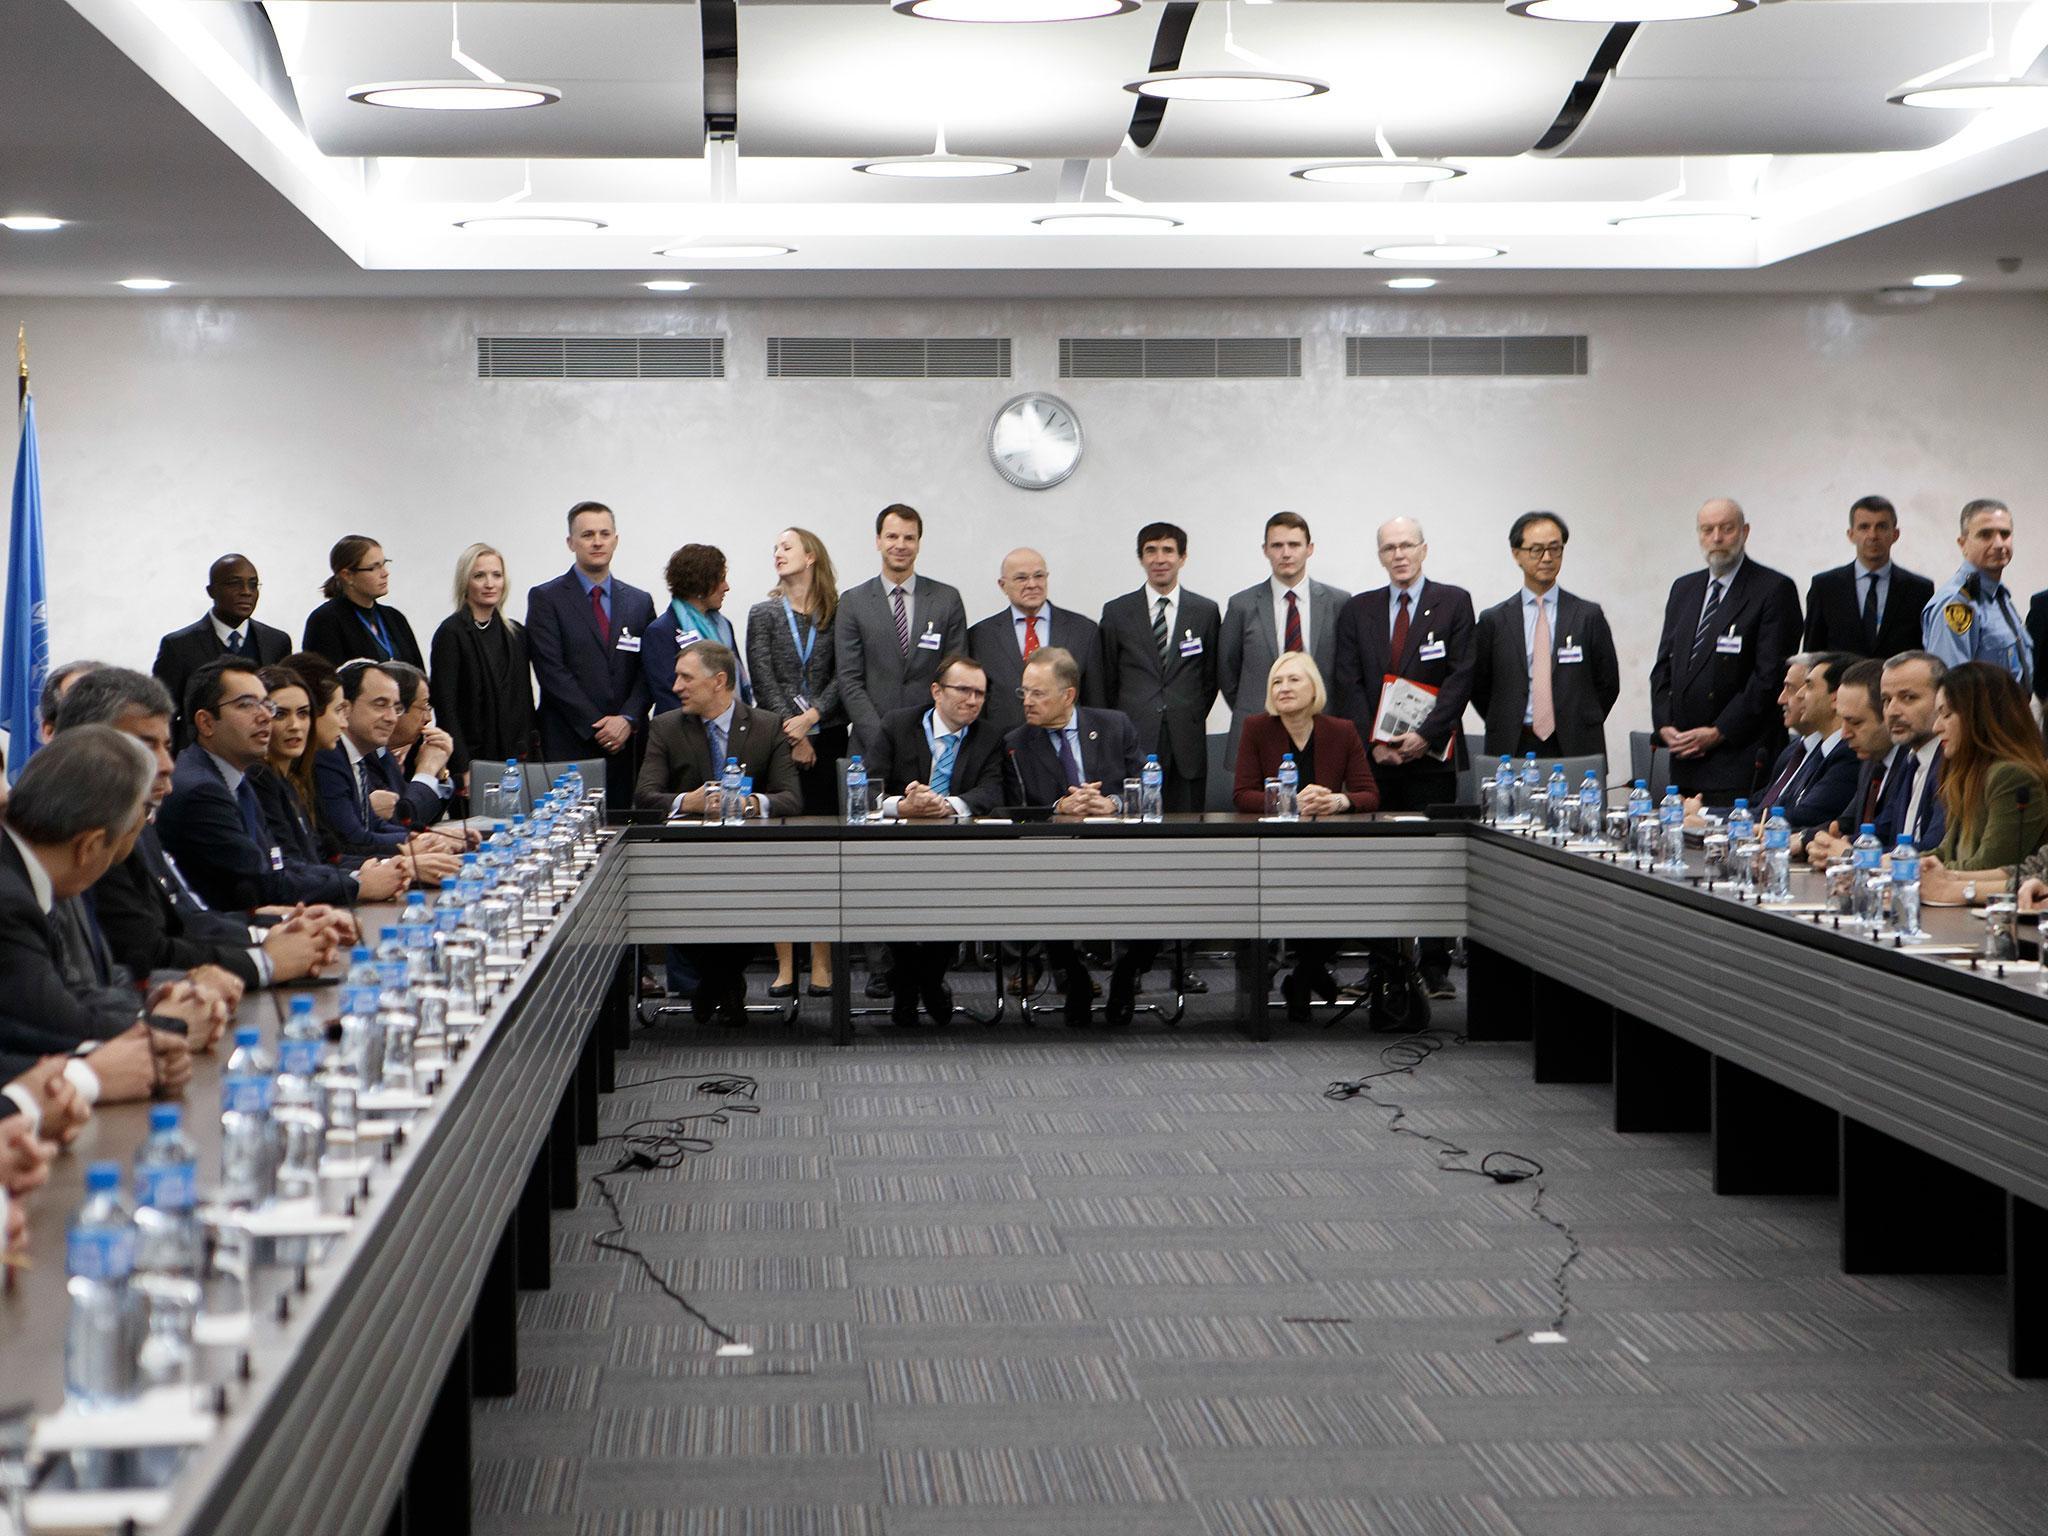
1959,616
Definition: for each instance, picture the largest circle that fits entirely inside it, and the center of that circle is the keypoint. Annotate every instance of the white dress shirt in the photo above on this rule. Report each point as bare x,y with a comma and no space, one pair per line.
1152,596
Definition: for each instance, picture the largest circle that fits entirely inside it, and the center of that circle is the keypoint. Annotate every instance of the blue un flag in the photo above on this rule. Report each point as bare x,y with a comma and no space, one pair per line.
25,644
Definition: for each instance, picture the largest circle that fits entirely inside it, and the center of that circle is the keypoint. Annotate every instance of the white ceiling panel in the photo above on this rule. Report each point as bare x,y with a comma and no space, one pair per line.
859,81
1439,79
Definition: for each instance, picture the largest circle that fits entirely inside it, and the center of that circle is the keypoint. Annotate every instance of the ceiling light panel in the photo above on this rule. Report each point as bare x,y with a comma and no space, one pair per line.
1438,79
631,76
860,81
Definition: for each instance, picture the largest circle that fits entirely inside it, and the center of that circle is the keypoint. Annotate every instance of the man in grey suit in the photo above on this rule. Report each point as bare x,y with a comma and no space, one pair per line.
1286,612
1546,675
1159,648
892,630
1003,641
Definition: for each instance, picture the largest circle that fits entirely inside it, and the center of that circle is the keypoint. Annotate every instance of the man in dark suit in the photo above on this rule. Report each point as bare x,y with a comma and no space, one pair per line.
1289,611
1004,641
227,629
2037,633
1546,675
1909,803
1074,761
1160,648
363,792
1868,607
687,750
892,630
1727,631
583,633
1813,777
1875,797
423,758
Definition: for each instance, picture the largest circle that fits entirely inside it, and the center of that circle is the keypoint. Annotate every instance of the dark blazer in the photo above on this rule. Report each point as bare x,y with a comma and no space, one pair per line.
291,825
202,828
1583,692
1817,794
486,707
993,643
41,1011
2037,631
151,922
1735,690
1167,700
902,755
1109,754
336,630
1250,644
184,651
350,828
679,759
1342,763
874,674
582,679
664,643
1834,613
778,670
1443,617
1891,797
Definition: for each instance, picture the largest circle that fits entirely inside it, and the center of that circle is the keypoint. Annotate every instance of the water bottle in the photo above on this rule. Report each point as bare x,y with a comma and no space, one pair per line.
1561,810
1639,818
1741,826
1671,831
362,1048
296,1104
732,808
169,1253
416,936
1777,856
247,1163
1525,791
856,790
397,1024
1866,854
1906,891
104,1334
1152,790
512,788
1504,791
449,909
1591,805
1290,788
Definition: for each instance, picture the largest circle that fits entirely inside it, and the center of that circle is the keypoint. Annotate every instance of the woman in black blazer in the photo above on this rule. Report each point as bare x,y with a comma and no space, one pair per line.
483,692
355,621
309,716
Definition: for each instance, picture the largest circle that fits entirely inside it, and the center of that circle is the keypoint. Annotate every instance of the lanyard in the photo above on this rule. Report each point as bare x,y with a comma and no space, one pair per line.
373,621
804,644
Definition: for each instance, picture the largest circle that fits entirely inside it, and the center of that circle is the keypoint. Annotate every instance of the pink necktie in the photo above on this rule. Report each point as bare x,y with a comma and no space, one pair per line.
1543,710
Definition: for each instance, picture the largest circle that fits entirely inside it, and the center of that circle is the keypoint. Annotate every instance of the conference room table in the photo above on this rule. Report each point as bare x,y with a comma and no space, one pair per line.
1904,1081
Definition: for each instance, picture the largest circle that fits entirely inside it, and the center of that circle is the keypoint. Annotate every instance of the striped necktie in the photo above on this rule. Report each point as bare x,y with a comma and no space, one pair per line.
1161,635
942,770
1709,610
902,621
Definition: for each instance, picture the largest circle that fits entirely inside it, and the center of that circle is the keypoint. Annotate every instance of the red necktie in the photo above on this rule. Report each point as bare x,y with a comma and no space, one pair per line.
1030,634
1871,798
1293,624
1400,631
604,623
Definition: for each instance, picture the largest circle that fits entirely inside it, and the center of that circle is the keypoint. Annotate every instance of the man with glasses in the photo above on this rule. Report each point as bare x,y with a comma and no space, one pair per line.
355,775
1546,675
1004,641
228,628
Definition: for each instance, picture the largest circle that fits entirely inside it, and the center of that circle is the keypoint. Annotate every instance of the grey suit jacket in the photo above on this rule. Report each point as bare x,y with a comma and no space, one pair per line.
993,643
778,669
1168,701
1582,692
679,758
1250,645
874,674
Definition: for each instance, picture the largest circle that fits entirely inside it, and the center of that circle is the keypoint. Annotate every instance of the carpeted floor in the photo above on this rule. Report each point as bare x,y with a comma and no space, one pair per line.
1156,1285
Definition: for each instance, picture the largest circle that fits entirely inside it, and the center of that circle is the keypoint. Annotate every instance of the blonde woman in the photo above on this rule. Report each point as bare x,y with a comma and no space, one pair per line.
482,691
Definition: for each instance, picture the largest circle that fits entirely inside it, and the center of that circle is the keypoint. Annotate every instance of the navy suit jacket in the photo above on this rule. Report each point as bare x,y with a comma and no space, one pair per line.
1445,627
664,643
341,804
1109,754
184,651
202,828
1834,612
1816,796
151,924
582,678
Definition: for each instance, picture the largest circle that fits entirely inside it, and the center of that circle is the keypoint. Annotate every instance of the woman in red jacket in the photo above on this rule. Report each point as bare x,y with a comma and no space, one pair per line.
1336,779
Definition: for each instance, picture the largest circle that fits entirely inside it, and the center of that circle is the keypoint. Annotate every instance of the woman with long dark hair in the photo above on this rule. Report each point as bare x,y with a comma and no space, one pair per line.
307,696
355,620
1994,783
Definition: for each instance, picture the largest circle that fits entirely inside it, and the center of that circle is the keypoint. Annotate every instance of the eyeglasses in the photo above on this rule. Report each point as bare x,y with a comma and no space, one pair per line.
1038,695
249,703
371,570
1399,549
964,691
1542,551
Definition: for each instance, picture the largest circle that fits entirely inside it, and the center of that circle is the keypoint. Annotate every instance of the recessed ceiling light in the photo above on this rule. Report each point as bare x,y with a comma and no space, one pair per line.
1394,171
146,284
529,224
1013,10
1971,93
942,167
1411,282
1693,216
737,251
30,223
1426,255
455,95
1106,223
1226,85
1938,280
1614,11
669,285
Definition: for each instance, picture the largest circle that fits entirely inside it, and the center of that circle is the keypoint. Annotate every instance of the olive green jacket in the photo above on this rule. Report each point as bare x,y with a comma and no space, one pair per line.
2006,832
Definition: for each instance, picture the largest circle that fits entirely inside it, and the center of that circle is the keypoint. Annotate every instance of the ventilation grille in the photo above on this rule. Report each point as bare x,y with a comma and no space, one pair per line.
888,357
1471,357
1180,357
600,357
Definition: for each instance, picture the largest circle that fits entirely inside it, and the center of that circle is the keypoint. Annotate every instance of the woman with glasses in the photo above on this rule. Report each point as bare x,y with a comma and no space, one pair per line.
483,693
355,621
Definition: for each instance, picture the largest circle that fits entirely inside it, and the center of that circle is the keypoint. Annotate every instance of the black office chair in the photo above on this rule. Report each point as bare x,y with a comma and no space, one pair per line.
1648,761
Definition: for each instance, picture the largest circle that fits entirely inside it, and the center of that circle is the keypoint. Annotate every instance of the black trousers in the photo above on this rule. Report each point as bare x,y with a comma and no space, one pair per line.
915,966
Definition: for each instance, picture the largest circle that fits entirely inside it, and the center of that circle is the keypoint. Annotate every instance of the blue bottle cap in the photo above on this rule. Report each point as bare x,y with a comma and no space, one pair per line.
101,1177
359,955
390,933
1670,789
302,1004
164,1117
415,898
1869,829
1741,804
248,1035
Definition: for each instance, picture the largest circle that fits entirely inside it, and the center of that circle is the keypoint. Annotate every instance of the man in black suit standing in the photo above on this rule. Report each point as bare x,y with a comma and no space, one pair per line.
1004,641
1160,648
1868,607
227,629
1728,630
1546,674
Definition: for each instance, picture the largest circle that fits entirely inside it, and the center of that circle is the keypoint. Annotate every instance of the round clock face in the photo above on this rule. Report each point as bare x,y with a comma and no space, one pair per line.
1035,441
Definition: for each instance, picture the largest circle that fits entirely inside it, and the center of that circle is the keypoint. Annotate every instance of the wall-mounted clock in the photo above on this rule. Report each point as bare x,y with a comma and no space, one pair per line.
1035,441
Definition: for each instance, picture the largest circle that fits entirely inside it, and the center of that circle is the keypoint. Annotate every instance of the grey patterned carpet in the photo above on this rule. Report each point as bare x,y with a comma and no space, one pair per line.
1014,1282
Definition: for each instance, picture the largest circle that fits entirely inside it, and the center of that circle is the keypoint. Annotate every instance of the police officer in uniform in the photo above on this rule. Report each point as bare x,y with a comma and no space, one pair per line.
1971,616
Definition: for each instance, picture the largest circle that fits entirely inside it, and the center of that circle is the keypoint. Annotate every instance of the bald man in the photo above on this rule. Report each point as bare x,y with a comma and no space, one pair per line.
1001,641
228,627
1728,630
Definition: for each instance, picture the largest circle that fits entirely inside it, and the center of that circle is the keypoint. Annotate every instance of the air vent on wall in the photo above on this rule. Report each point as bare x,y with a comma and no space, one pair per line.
600,357
1180,357
888,357
1491,357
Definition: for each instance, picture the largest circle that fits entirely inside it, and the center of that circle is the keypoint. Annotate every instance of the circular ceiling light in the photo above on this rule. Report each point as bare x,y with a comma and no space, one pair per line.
668,285
1411,282
1938,280
455,95
1693,216
30,223
1226,85
147,284
1013,10
732,251
1967,93
529,224
1107,223
1426,255
942,167
1611,12
1394,171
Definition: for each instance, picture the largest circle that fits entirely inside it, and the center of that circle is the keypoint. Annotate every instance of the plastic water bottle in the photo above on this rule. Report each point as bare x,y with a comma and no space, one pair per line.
1591,805
731,811
397,1023
449,908
1906,890
1741,826
1504,782
1562,811
169,1253
1290,788
416,935
296,1105
104,1334
247,1164
1639,818
512,788
362,1048
1671,832
856,790
1152,790
1866,854
1777,856
1525,791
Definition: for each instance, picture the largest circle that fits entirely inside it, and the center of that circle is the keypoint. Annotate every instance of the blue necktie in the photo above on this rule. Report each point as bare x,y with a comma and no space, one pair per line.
942,770
717,747
1068,766
252,814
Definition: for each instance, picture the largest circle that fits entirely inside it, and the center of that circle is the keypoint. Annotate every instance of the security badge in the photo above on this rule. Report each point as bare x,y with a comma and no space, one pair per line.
1959,616
628,641
1432,648
1190,643
930,640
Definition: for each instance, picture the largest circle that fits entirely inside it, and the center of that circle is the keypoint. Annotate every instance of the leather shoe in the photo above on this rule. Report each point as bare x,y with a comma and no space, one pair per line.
1190,983
732,1008
1295,990
1123,987
880,985
903,1013
782,989
1080,997
1318,980
938,1002
1439,986
702,1004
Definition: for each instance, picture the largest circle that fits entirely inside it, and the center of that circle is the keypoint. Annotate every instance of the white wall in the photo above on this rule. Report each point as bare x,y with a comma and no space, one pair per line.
172,431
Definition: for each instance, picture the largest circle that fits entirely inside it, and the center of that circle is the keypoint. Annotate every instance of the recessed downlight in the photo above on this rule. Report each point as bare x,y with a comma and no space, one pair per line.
1013,10
1407,283
1106,223
942,167
1426,255
731,251
668,285
1226,85
1938,280
1971,93
30,223
455,95
1389,172
529,224
147,284
1698,218
1612,12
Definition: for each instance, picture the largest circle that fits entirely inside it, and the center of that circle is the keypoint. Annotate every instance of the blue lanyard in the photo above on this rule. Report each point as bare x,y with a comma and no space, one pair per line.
804,644
373,621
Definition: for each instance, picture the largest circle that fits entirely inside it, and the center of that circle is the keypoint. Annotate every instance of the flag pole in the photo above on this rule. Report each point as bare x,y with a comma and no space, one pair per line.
21,384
